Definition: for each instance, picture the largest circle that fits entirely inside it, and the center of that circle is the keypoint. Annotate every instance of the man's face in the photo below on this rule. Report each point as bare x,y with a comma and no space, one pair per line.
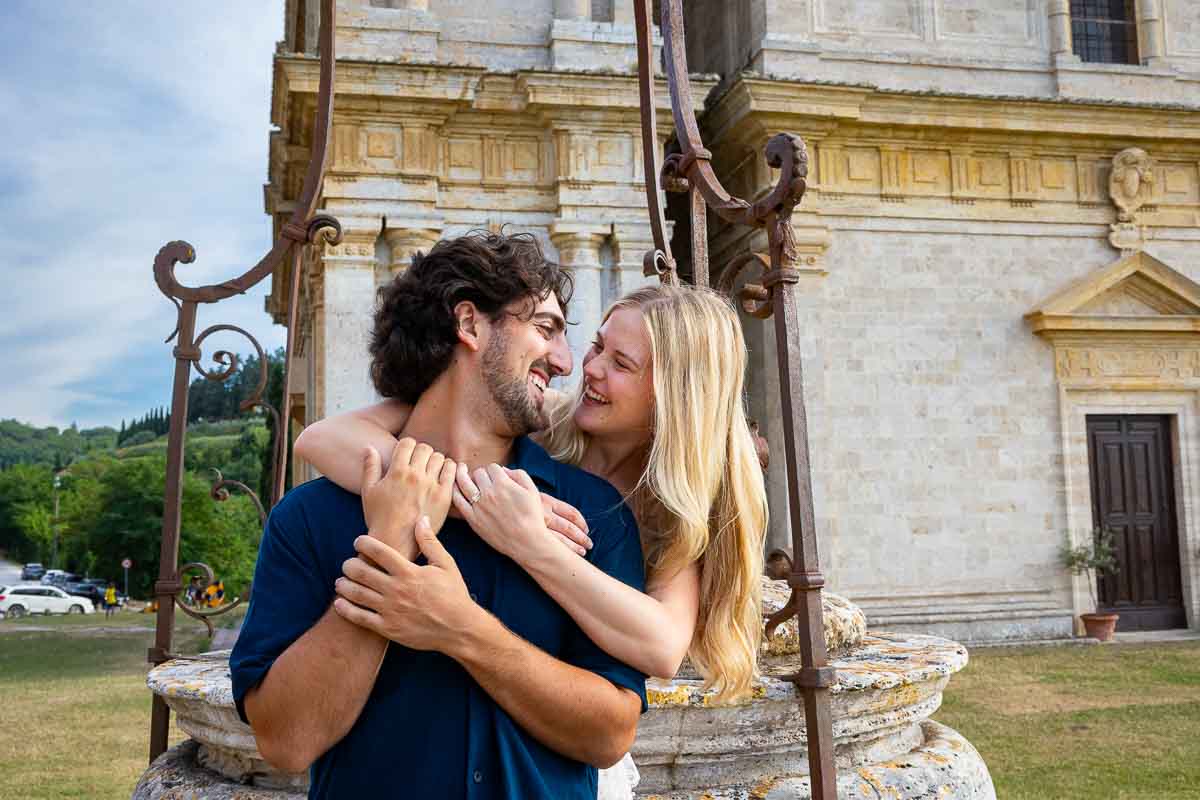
524,351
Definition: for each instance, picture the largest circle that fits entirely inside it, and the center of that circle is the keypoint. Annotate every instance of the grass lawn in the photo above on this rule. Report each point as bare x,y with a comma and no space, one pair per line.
75,706
1115,721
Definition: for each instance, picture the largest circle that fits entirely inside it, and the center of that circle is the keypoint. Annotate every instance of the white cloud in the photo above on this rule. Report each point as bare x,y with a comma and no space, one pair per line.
127,125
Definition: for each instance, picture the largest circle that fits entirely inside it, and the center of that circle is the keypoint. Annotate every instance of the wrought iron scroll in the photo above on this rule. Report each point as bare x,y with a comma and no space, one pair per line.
302,229
691,170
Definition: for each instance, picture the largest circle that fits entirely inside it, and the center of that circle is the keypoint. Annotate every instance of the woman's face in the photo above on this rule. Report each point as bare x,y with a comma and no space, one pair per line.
618,385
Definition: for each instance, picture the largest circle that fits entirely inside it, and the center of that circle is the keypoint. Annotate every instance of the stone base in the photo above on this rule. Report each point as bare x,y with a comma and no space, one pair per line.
943,766
1010,626
177,775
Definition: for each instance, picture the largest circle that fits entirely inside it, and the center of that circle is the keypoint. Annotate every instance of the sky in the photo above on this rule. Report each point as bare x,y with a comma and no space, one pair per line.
126,125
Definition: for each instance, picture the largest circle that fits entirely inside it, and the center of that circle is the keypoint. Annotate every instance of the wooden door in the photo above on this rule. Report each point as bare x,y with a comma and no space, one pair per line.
1133,495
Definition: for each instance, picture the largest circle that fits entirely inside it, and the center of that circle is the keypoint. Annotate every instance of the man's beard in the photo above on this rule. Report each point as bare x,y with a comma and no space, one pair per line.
511,393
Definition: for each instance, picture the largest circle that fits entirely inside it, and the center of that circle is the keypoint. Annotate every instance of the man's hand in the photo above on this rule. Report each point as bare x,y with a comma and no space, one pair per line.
419,481
422,607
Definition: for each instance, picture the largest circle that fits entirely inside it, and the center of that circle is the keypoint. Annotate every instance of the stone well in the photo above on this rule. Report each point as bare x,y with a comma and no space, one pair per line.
688,747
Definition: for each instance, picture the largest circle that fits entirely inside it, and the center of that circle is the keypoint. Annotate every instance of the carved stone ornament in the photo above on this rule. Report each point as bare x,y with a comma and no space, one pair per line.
1131,186
1128,237
1131,182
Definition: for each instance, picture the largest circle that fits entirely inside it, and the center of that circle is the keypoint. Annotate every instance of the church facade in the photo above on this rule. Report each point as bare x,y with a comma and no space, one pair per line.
1000,247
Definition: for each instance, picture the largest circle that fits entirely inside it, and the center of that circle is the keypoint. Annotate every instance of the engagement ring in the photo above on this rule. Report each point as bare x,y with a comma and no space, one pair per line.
473,499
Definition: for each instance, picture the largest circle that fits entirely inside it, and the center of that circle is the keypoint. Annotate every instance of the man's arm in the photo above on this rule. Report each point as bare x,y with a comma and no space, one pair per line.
571,710
313,693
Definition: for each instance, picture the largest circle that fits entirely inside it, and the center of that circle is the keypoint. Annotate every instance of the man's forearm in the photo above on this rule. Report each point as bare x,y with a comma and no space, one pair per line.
314,692
574,712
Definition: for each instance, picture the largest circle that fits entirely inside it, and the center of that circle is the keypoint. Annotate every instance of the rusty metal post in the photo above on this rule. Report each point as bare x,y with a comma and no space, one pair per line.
299,232
168,577
690,171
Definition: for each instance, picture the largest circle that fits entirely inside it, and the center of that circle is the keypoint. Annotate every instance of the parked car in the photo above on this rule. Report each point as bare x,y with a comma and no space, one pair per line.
58,577
85,589
17,601
32,572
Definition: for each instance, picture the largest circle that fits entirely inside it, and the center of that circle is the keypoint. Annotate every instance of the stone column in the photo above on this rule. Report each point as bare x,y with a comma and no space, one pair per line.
631,242
578,246
1060,30
406,242
347,295
573,9
623,12
1151,44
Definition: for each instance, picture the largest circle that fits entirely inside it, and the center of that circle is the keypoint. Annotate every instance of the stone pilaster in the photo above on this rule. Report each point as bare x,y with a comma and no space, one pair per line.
631,242
578,246
405,242
577,42
623,12
1151,42
1061,49
341,330
580,10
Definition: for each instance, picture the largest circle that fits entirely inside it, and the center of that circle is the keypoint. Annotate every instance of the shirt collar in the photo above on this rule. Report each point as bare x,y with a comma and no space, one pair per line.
529,456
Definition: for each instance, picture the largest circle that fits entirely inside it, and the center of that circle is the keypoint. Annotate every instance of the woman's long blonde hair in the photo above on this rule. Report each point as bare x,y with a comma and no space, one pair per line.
701,497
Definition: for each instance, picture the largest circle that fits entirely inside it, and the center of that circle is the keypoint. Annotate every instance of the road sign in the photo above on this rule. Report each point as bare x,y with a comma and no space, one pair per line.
126,564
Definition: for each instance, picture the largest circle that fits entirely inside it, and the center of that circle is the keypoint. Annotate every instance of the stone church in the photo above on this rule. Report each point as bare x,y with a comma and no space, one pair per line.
1000,241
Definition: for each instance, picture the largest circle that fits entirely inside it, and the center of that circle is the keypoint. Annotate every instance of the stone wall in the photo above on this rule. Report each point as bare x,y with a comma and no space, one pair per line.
928,233
1017,48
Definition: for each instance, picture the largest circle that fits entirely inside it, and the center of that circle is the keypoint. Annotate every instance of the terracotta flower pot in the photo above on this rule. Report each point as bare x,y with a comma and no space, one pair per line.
1100,626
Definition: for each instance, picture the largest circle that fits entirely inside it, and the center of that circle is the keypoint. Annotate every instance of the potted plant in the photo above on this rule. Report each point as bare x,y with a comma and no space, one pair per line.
1094,559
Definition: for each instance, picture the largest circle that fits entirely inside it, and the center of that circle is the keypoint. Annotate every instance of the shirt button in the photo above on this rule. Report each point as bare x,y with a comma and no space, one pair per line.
478,776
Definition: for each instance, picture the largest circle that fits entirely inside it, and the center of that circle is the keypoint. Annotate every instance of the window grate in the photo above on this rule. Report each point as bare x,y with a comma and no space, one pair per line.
1104,31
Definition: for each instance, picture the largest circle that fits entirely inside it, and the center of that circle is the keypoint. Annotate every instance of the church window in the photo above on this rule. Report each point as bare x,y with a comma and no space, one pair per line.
1104,31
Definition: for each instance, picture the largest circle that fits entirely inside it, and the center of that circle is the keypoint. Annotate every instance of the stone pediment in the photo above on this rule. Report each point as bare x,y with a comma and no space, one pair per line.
1139,293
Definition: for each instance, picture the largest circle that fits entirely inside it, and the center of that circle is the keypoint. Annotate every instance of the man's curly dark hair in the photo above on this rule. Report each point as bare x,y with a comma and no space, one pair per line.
415,330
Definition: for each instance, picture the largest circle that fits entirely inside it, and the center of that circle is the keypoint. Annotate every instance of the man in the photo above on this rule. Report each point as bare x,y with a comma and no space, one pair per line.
487,688
110,600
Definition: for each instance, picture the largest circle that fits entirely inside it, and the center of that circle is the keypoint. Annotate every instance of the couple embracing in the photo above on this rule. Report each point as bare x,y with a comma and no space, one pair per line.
481,621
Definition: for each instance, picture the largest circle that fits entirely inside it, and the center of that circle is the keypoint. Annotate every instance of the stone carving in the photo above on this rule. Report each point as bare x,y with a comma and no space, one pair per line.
1131,183
1085,362
1131,186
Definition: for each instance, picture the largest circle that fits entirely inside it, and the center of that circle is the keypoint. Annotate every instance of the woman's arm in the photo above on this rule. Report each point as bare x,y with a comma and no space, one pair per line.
335,445
650,632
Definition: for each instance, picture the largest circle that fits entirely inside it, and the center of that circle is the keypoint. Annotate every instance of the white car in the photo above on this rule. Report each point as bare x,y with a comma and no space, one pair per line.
17,601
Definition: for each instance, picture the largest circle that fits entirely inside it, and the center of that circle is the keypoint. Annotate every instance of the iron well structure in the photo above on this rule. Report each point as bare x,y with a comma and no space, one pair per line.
688,171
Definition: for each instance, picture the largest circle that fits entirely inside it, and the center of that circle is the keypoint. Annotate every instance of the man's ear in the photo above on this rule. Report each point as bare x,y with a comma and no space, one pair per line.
468,323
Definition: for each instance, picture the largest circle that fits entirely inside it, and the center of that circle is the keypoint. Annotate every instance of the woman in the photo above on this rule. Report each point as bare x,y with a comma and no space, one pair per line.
660,415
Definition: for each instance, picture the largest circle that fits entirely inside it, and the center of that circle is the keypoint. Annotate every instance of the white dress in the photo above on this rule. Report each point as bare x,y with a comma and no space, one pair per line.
617,782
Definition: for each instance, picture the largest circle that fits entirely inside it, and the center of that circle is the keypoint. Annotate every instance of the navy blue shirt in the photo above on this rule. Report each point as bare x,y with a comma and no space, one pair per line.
428,729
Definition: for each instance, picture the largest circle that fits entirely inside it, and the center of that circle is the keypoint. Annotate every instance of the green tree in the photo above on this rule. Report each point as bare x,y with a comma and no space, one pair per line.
21,485
141,437
129,525
36,522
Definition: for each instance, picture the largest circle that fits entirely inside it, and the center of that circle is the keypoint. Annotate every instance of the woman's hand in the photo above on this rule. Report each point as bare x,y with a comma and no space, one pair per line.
418,482
506,509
